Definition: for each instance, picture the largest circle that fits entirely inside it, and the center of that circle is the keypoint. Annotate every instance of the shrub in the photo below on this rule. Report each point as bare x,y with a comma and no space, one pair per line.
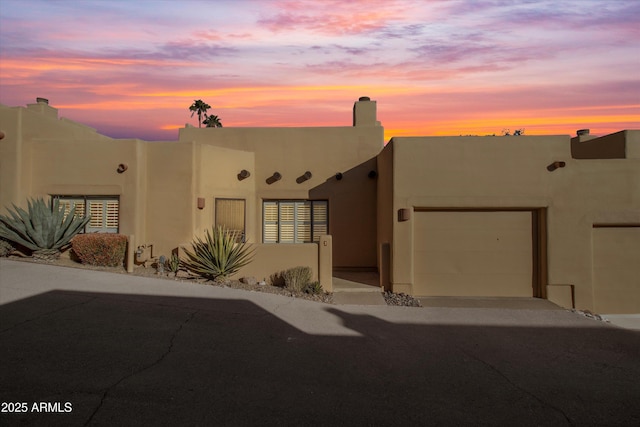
314,288
106,250
218,256
173,263
43,228
297,278
5,247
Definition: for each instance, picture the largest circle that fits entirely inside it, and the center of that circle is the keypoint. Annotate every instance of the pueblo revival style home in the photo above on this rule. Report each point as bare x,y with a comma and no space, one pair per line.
544,216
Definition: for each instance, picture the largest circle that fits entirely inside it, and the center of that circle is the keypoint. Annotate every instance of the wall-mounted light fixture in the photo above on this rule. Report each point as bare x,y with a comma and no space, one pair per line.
304,177
1,135
404,214
244,174
373,174
274,178
122,167
200,202
339,176
555,165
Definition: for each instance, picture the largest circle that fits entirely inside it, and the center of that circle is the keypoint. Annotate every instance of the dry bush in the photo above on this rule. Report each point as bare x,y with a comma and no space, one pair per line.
105,250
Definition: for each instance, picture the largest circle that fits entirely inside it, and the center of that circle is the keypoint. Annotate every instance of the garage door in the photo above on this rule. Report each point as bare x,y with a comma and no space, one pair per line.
616,270
473,253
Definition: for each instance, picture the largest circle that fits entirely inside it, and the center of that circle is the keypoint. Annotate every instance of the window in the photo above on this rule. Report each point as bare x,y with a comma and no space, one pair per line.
230,214
294,221
104,211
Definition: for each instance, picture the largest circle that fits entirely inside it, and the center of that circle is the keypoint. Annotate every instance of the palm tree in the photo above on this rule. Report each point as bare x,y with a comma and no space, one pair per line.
200,107
212,121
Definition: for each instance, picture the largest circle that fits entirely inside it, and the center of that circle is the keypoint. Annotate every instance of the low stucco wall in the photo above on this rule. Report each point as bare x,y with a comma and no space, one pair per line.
273,258
269,259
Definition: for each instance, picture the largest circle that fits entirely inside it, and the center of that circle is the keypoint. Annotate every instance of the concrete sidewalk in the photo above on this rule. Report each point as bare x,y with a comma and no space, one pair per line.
99,349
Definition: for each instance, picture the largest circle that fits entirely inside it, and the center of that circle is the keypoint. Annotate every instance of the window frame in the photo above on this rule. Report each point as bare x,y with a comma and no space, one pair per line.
297,223
87,199
243,235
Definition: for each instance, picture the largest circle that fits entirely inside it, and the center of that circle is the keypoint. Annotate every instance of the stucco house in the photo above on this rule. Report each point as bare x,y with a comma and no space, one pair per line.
545,216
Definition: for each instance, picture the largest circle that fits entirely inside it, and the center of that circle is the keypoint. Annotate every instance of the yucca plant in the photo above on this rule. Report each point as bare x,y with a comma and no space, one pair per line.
218,255
43,228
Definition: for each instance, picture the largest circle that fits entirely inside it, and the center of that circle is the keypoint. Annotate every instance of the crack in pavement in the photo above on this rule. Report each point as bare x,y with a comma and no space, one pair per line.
144,368
39,316
522,389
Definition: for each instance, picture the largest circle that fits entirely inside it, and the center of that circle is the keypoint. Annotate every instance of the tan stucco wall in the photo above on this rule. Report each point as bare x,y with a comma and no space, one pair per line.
271,259
385,215
89,167
511,172
323,152
42,155
216,176
22,127
616,270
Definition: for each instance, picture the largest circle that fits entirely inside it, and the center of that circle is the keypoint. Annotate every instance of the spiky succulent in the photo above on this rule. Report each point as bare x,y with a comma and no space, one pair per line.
43,227
218,255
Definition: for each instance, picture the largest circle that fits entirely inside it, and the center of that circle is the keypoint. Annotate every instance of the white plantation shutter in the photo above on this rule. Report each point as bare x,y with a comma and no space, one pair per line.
320,219
104,211
270,226
294,221
80,208
96,209
287,222
111,217
68,204
303,221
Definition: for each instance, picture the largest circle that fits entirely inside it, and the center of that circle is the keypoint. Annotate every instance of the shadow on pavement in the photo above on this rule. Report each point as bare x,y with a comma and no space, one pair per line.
145,360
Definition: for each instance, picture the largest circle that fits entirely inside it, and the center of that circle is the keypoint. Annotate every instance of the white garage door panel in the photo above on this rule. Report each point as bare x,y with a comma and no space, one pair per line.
616,270
473,254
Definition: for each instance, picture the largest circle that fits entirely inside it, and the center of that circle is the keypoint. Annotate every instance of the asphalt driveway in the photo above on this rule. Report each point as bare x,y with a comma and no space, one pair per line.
81,347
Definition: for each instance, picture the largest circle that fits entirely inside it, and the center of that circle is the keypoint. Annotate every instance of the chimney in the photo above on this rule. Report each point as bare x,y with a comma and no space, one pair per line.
42,106
364,112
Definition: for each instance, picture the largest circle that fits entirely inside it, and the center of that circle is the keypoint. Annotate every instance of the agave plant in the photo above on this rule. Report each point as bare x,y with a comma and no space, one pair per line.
218,255
43,228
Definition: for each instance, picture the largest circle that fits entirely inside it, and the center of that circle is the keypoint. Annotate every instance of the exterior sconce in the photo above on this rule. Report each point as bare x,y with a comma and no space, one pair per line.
244,174
555,165
339,176
122,167
373,174
302,178
1,135
200,202
404,214
273,178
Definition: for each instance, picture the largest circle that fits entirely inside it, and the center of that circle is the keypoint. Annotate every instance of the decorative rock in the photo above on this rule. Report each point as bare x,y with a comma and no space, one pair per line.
249,280
400,299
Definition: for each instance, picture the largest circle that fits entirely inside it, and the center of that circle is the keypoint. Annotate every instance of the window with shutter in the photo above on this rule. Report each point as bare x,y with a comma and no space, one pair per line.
69,204
270,224
294,221
230,213
104,211
96,210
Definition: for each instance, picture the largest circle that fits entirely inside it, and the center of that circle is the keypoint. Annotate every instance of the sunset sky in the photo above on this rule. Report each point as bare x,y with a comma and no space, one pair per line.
435,67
